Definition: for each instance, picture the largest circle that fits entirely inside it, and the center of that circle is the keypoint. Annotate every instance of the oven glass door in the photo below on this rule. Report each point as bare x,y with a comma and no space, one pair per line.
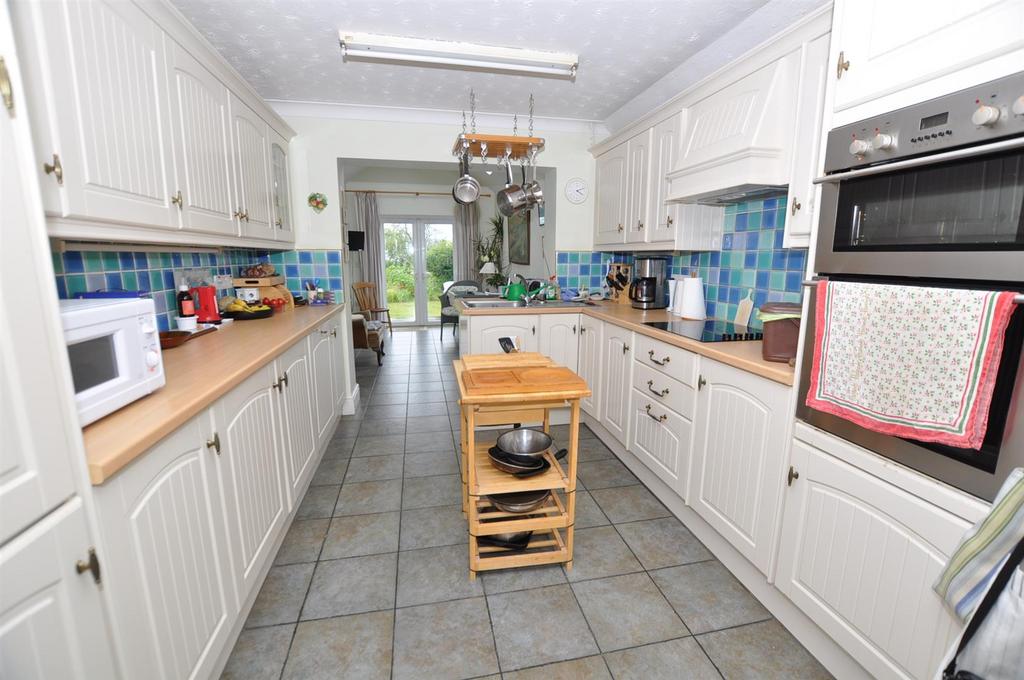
969,204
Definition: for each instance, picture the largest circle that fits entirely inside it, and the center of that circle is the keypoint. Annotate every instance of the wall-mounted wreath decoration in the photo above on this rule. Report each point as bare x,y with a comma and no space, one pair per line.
317,202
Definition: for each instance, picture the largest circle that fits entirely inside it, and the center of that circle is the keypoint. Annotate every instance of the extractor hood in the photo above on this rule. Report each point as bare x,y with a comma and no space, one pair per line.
738,142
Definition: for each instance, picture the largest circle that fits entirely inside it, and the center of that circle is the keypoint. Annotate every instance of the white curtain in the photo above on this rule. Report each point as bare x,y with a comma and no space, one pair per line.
367,220
465,223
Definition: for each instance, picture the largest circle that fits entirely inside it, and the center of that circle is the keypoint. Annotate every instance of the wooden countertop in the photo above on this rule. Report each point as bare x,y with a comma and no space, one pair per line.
197,374
744,355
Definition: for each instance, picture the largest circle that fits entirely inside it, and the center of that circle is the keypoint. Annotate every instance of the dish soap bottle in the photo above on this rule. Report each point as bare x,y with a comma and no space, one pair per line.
186,303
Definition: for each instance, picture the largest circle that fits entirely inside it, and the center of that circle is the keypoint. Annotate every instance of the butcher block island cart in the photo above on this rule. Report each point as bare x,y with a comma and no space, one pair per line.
509,389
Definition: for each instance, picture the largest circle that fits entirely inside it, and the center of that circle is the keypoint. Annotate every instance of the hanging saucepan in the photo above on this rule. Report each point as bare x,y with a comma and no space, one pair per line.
534,192
512,198
466,189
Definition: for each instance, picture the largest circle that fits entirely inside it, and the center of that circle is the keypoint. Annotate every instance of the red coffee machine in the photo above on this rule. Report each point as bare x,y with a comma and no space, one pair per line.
206,304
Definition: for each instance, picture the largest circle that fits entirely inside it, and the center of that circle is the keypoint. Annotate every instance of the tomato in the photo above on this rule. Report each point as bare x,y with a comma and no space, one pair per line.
266,301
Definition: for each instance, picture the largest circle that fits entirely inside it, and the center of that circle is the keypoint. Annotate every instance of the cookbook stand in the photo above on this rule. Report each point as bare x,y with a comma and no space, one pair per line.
504,389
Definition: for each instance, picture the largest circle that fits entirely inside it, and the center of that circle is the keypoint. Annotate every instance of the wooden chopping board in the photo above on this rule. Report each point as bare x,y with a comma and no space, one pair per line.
474,362
531,380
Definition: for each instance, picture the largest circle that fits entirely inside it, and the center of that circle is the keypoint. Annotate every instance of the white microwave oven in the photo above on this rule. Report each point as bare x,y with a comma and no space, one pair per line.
114,351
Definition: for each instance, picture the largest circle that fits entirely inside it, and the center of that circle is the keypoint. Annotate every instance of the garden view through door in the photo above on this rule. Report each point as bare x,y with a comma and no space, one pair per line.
417,263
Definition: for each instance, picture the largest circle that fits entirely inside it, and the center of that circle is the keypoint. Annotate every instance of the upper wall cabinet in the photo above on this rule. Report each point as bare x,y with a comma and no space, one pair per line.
638,184
886,55
611,196
279,188
142,139
663,157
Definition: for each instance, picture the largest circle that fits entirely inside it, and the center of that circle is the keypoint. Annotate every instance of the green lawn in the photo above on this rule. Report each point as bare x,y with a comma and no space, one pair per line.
406,311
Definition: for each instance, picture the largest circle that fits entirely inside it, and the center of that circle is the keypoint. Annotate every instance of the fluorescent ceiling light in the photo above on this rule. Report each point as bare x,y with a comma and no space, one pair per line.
456,55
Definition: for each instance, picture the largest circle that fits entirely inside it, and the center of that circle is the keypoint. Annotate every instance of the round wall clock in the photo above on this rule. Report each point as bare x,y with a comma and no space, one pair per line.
576,190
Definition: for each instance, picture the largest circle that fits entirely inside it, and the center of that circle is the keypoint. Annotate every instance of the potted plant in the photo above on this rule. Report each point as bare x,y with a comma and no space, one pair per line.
489,249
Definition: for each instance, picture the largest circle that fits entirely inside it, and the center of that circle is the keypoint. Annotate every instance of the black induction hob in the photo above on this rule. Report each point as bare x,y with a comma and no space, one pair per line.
711,330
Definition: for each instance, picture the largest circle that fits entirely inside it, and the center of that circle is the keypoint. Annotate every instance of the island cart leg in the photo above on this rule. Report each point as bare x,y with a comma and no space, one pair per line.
470,434
574,449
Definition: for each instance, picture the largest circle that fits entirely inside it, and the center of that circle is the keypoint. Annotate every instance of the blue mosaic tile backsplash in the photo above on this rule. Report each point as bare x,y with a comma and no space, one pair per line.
752,259
153,272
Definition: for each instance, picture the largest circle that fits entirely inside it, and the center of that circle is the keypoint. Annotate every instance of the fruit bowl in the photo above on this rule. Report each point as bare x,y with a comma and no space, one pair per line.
239,315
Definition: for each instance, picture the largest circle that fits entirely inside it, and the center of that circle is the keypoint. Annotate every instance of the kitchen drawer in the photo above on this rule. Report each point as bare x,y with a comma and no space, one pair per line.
672,361
662,440
664,390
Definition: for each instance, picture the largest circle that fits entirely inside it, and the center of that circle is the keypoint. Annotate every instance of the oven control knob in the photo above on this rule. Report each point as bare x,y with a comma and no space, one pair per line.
152,359
1018,105
859,147
985,115
883,142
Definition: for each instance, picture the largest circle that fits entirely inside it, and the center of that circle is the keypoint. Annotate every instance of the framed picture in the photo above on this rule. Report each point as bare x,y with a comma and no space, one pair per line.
519,238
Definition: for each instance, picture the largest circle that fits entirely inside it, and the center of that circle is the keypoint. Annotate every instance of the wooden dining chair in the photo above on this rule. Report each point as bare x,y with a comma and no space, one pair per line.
366,297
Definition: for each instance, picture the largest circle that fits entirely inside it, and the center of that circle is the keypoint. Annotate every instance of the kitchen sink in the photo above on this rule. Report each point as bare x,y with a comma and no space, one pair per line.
498,304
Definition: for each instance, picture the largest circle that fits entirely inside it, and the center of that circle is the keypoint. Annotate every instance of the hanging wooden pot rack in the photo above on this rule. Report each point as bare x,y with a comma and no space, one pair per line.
497,145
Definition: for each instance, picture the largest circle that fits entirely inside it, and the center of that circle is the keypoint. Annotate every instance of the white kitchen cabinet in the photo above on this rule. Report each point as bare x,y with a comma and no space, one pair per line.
166,559
339,340
252,171
52,618
638,176
559,339
803,194
202,146
280,188
617,376
487,329
859,556
98,81
251,470
661,439
739,448
611,203
322,364
295,401
591,352
660,220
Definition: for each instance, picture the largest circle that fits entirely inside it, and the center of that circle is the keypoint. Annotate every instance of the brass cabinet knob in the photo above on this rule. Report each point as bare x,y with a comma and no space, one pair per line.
55,169
842,64
92,565
214,443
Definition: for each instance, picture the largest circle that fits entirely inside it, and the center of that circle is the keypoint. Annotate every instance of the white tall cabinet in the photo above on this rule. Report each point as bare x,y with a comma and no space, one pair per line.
52,617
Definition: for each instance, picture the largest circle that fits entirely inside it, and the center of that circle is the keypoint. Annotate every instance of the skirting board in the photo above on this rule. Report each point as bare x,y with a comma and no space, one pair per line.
833,657
351,403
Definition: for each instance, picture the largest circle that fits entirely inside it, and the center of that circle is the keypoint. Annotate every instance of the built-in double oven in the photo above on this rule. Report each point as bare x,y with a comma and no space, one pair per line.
933,195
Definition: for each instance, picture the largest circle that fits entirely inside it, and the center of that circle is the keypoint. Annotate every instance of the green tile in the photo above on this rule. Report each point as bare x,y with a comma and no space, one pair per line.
75,284
58,263
93,261
754,221
764,259
574,258
306,271
165,260
748,278
171,299
156,279
780,216
712,293
705,260
334,270
777,280
730,220
294,284
291,257
319,257
730,209
735,277
730,312
111,263
129,281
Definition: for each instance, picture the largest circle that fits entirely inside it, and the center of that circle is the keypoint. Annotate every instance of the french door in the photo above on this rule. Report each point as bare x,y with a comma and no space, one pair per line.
418,263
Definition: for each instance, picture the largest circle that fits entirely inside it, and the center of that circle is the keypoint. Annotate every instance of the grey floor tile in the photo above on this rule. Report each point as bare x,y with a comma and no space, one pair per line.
318,502
587,668
259,654
602,474
347,429
363,498
432,527
444,640
521,578
592,449
599,552
374,468
708,597
435,575
351,586
629,504
430,492
434,396
561,432
281,595
391,387
383,445
345,647
383,426
303,541
330,472
415,423
438,409
387,398
382,411
426,442
538,626
340,447
760,650
626,611
664,542
588,513
361,535
663,661
432,464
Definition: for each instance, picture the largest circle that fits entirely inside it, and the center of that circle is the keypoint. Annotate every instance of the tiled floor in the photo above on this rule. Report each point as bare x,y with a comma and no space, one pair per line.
372,578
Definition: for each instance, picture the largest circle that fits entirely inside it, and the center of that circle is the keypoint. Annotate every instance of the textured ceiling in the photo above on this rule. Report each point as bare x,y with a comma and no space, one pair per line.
288,49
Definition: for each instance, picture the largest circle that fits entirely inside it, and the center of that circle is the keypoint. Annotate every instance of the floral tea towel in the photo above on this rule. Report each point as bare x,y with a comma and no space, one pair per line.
908,361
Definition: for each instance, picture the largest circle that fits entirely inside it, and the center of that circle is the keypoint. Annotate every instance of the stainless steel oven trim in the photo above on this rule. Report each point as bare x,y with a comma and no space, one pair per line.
921,161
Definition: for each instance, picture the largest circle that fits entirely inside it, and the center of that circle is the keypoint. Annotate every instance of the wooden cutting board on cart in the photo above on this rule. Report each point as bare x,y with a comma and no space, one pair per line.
472,362
525,381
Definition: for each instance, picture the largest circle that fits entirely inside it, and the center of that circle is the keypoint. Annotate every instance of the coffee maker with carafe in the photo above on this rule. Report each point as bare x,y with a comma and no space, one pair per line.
649,289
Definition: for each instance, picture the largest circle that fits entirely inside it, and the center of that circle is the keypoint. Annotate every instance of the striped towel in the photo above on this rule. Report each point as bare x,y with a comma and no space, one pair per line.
909,361
983,549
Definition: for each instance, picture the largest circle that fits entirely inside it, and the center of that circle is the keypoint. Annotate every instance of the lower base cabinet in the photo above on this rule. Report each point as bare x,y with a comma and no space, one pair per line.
296,415
322,364
661,440
617,376
486,330
859,556
590,361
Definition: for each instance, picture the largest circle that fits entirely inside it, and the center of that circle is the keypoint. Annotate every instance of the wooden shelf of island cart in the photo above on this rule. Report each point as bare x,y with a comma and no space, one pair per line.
491,480
497,144
486,519
547,546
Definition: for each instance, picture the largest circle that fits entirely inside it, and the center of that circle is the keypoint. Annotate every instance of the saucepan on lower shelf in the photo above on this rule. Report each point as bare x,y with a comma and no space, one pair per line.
510,541
520,502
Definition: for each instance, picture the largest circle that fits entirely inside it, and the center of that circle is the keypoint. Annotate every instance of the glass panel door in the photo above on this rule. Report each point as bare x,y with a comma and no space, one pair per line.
418,263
